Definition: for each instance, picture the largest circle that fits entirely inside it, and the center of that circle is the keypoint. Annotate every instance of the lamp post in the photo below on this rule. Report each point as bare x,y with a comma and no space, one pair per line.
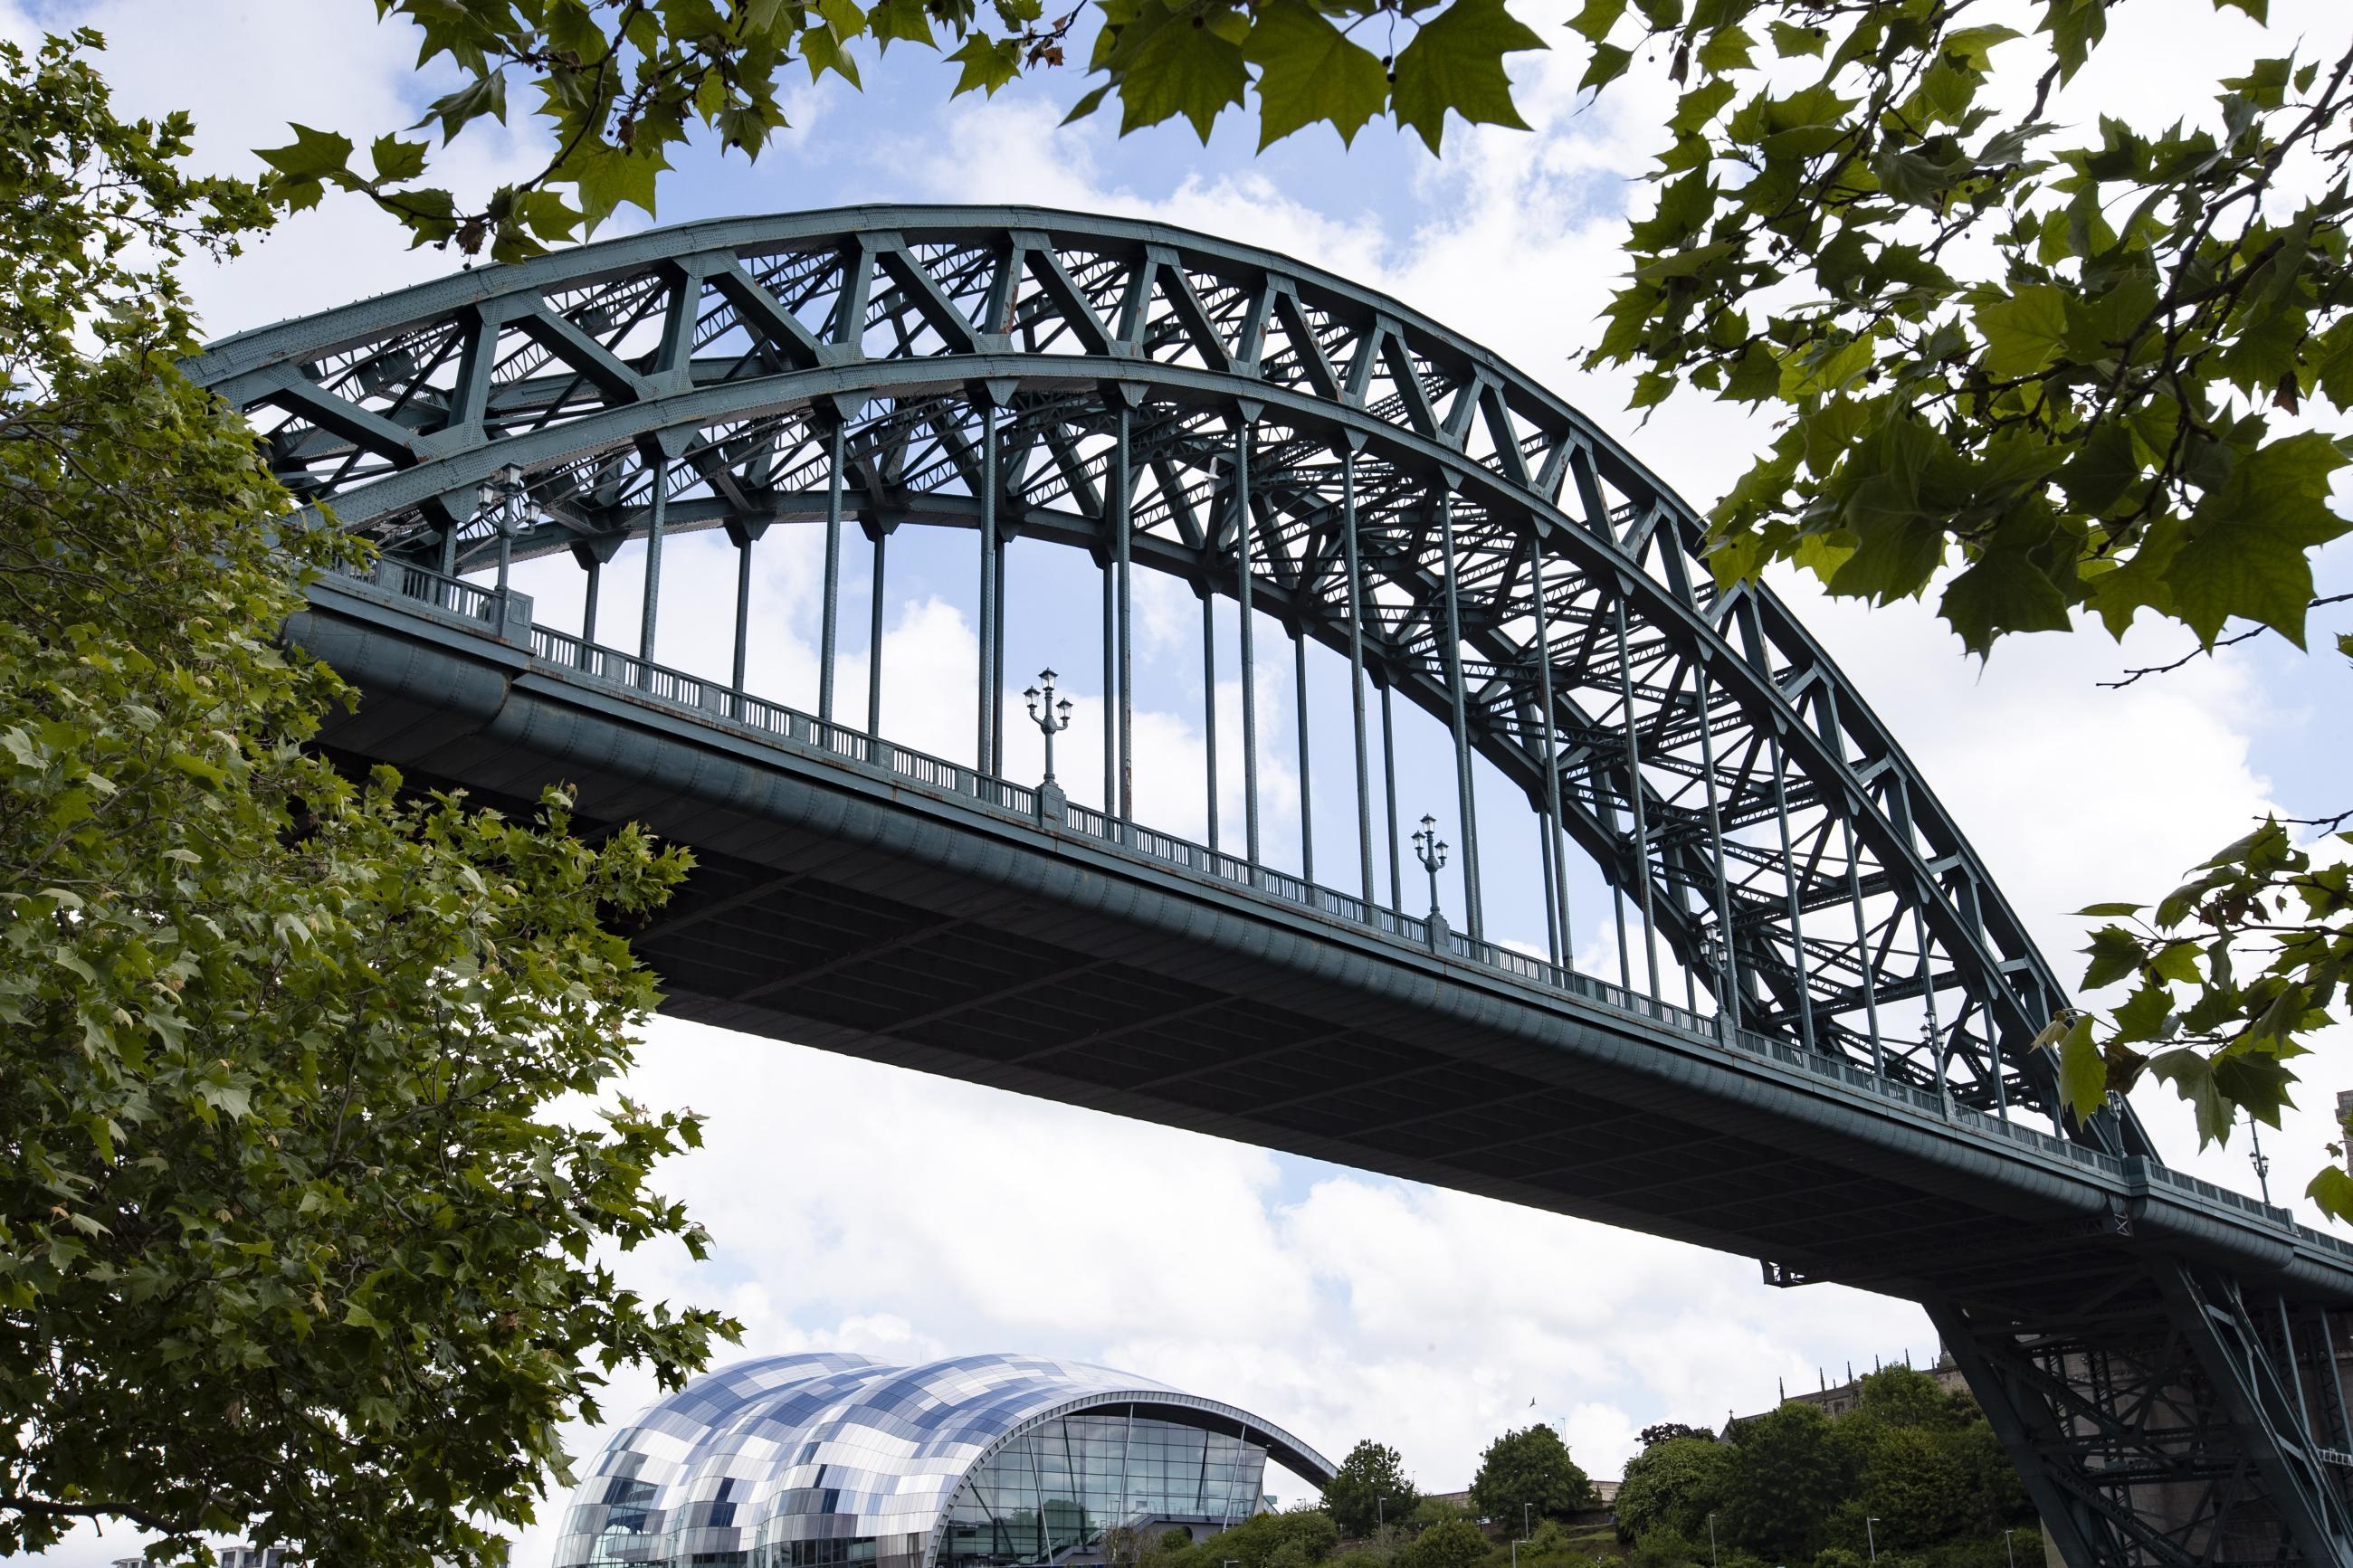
2010,1544
495,498
1052,717
1430,850
1711,1540
1524,1521
1870,1539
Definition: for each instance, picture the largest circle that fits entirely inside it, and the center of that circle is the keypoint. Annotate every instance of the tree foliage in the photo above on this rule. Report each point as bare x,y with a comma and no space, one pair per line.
1796,1485
1660,1432
621,84
1530,1468
291,1244
1299,1539
1671,1486
1369,1490
1449,1543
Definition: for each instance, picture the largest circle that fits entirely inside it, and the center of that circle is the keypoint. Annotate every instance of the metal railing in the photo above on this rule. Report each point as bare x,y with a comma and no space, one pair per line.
715,700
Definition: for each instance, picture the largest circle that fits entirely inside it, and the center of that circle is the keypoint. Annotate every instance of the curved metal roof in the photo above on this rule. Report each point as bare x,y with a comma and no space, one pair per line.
869,1450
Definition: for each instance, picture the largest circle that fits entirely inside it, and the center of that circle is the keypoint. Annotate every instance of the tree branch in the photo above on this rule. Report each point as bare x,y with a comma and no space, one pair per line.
2236,637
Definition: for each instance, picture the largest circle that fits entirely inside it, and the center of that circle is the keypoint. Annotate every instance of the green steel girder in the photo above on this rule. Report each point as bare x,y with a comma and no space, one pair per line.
721,350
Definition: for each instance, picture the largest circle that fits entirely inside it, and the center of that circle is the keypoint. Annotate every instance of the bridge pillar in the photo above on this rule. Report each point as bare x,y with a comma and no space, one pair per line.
2152,1421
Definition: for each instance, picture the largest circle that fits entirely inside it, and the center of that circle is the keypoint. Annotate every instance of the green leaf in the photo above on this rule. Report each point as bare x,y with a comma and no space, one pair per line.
311,155
2002,592
2109,912
2192,1077
1456,62
1608,63
1595,22
1727,48
2247,554
2083,1071
1309,71
396,161
2116,953
1793,42
2023,330
1184,67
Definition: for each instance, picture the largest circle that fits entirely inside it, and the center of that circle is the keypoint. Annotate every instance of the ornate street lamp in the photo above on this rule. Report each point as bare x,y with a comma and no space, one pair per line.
1052,717
1430,850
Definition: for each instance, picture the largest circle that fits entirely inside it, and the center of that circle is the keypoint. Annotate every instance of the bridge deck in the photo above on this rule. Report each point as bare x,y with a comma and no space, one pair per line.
883,904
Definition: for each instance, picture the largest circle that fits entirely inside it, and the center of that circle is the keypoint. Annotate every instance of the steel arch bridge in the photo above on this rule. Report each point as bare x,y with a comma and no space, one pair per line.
1860,1097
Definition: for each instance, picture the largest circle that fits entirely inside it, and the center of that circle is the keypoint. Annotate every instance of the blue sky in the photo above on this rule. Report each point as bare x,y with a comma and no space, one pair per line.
865,1208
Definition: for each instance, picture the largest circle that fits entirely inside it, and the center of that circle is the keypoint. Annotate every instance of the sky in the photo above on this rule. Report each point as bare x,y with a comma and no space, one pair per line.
868,1208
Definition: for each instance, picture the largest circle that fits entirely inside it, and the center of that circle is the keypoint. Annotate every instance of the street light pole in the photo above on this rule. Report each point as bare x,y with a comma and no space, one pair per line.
1711,1541
1053,721
1870,1539
1524,1522
1430,850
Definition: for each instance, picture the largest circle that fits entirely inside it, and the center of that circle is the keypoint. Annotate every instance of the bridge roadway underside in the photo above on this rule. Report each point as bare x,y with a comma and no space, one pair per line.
834,909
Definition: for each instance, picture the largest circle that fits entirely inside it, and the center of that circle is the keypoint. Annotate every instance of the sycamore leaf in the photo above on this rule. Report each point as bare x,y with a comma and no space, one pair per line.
988,63
2001,592
1456,62
2332,1191
2022,331
1597,20
311,155
2247,551
396,159
1183,68
2083,1072
2115,953
1308,72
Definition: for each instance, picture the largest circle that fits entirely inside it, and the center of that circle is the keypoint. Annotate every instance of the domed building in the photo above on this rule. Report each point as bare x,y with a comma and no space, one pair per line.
984,1461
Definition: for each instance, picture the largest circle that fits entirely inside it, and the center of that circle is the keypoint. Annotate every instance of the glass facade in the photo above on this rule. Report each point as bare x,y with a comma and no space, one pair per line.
1059,1486
831,1461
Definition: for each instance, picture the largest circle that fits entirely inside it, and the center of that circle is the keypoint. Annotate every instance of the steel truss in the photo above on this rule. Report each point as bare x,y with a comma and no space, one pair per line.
1280,437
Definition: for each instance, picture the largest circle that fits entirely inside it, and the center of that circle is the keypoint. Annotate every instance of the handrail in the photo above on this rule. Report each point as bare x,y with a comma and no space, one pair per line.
716,699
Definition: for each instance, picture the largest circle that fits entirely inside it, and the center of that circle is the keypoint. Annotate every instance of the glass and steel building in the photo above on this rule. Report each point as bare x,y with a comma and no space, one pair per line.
988,1461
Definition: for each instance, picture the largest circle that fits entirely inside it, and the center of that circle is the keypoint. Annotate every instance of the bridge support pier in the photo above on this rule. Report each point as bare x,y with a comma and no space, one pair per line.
2153,1420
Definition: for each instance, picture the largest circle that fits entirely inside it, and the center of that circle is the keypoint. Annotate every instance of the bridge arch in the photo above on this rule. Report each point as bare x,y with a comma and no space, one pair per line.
1170,402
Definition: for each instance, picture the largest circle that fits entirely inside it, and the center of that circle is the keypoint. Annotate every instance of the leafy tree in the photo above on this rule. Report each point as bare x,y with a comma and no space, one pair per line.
1673,1484
1529,1469
1917,1486
1668,1431
1369,1489
1784,1475
1450,1543
1298,1538
1902,1396
1432,1511
292,1244
2042,381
